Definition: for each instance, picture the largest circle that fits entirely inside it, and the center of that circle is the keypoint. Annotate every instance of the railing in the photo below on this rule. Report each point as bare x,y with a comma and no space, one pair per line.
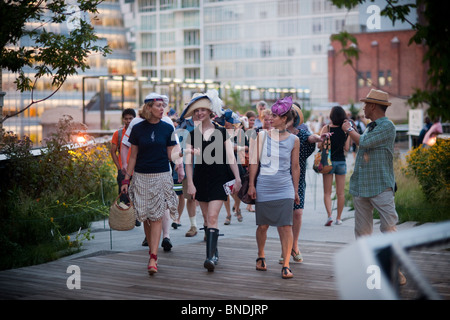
369,268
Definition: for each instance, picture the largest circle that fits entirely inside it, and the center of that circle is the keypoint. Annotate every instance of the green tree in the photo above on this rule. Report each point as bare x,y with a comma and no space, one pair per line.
49,54
433,31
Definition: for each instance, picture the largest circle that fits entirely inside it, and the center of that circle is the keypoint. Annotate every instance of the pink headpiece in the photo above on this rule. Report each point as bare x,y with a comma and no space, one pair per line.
282,106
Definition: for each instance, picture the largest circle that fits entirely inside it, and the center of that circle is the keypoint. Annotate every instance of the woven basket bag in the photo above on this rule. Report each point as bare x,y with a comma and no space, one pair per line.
121,219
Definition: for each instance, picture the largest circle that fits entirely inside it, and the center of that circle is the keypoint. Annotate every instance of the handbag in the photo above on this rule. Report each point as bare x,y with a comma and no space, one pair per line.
322,160
243,192
122,217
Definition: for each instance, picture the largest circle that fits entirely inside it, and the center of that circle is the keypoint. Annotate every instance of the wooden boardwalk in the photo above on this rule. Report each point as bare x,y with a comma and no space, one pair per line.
181,275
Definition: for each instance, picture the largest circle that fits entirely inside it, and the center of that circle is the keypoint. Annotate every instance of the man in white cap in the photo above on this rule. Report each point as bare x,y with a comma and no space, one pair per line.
372,183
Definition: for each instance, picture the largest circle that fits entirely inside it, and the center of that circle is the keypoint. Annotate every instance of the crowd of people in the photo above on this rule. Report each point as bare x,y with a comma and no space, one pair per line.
167,162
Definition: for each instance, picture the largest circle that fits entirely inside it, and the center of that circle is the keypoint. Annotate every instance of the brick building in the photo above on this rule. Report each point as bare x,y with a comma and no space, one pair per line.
386,61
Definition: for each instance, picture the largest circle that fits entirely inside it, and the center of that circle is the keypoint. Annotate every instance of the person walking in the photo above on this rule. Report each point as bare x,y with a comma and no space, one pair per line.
188,125
277,187
206,182
127,116
231,122
340,142
125,149
372,183
151,190
260,107
307,146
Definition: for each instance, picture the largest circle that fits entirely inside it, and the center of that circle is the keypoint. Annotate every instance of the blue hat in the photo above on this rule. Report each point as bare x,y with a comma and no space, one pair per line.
228,116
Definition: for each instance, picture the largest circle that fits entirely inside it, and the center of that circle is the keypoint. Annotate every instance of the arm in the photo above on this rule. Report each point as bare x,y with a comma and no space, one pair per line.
347,143
354,135
295,168
254,158
130,169
323,131
233,165
114,157
124,149
175,155
190,171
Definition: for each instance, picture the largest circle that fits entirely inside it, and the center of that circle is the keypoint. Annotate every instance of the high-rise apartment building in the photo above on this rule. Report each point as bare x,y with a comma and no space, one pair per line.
271,45
109,26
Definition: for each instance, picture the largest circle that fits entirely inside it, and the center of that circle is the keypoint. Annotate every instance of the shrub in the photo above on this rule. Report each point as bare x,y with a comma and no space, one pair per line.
431,167
45,198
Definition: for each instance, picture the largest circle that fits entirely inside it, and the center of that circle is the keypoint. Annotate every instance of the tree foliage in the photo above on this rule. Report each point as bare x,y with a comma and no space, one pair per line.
433,31
29,46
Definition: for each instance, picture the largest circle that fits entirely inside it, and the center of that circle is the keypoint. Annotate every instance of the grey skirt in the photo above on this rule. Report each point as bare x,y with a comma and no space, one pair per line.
276,213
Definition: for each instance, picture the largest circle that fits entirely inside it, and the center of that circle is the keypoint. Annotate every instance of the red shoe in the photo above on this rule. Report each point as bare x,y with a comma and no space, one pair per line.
152,269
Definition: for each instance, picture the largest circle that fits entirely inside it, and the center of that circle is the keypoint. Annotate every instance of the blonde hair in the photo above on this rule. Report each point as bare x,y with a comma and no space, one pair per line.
267,112
145,112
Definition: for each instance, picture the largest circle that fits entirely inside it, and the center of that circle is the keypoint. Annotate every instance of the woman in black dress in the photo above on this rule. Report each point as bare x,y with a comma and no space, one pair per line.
215,165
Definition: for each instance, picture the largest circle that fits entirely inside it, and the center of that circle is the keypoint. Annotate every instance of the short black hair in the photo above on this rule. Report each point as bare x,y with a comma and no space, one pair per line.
128,111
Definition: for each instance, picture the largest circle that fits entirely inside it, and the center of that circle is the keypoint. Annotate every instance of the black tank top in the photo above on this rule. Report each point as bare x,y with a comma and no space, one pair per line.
337,144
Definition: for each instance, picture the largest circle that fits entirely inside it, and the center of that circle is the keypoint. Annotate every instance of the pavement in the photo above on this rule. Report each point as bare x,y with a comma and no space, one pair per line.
313,225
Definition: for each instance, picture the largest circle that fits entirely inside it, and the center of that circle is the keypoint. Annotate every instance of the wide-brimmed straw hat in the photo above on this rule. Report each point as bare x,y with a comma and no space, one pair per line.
378,97
299,113
209,100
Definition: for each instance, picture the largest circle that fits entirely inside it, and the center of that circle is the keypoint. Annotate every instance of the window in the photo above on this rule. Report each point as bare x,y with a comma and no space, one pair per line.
167,4
191,56
147,5
167,39
369,78
389,77
167,58
265,49
360,80
191,19
191,37
150,73
190,3
167,21
381,78
148,40
192,73
149,59
168,73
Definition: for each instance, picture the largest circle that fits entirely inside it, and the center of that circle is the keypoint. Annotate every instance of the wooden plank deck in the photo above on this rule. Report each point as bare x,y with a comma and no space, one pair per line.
181,275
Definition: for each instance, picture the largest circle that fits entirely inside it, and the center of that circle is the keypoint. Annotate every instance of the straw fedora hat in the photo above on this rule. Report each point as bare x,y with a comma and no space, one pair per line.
378,97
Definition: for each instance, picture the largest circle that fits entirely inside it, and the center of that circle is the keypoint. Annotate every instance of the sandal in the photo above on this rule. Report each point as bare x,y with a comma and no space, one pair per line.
250,208
286,273
297,256
153,269
262,266
239,215
227,220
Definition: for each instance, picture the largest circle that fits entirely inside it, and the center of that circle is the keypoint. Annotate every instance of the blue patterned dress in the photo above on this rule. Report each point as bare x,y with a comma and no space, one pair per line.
306,149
